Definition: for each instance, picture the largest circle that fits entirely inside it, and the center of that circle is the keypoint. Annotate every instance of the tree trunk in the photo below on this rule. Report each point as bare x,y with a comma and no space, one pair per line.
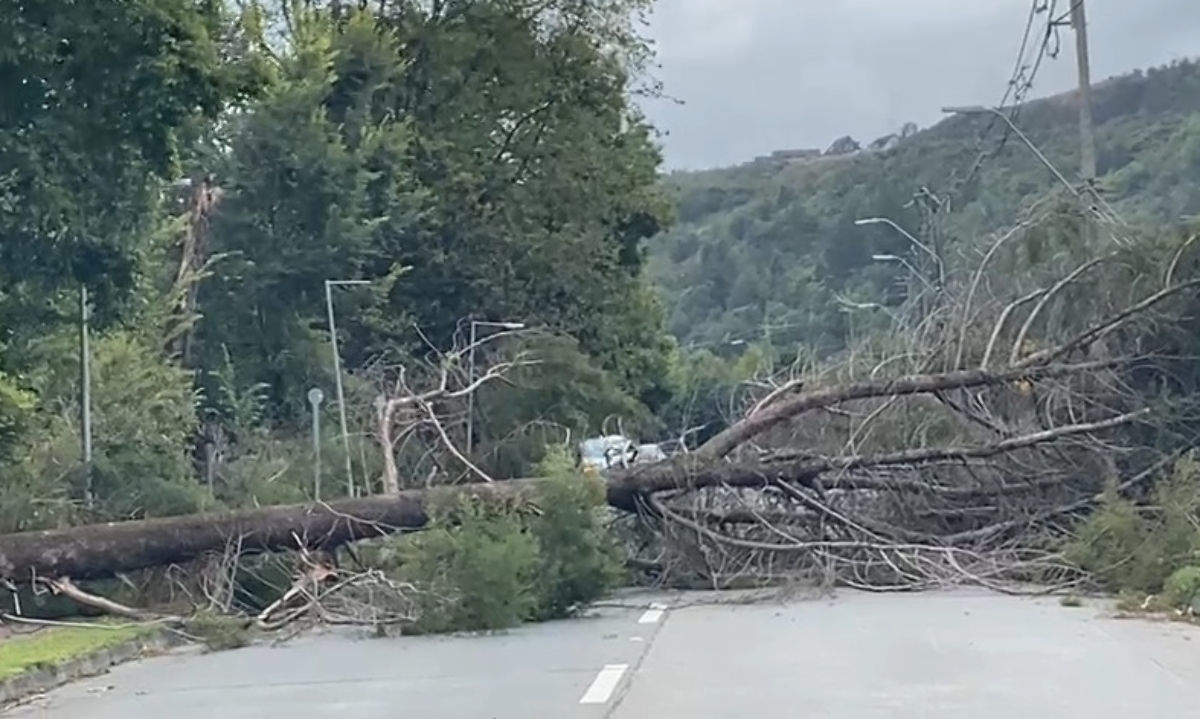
105,549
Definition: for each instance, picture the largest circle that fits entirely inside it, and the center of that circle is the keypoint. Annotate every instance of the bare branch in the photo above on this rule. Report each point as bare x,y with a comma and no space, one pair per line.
729,439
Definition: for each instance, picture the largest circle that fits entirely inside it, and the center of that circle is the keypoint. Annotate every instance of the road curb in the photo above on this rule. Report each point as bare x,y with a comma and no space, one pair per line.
44,678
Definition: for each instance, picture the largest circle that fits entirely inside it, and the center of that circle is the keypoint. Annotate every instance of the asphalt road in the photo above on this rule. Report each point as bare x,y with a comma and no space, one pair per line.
855,656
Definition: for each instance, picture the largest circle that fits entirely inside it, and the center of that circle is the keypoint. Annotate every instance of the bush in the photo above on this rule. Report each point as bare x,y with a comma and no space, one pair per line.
1133,548
486,566
475,569
579,559
16,407
218,632
1182,588
143,414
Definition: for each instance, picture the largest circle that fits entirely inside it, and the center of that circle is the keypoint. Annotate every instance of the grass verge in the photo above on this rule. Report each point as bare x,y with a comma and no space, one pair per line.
53,646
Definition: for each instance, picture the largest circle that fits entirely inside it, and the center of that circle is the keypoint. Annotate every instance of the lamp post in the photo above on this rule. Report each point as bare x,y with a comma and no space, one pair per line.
337,373
941,268
913,270
475,325
85,410
315,398
981,110
1089,182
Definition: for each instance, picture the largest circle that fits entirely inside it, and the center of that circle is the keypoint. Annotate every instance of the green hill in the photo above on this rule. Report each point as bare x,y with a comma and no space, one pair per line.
766,249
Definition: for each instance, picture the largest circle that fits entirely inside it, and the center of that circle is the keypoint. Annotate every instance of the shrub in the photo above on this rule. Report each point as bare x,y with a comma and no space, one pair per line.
474,568
1111,545
484,565
218,632
16,407
1182,588
579,559
1134,548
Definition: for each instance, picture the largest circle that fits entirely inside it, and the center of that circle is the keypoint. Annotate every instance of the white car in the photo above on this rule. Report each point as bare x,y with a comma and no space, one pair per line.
615,450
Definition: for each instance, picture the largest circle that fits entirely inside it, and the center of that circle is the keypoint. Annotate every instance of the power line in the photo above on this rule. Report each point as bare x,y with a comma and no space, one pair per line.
1025,71
1033,12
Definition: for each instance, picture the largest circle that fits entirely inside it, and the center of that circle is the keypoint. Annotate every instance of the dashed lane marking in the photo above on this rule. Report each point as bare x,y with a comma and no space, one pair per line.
603,685
653,614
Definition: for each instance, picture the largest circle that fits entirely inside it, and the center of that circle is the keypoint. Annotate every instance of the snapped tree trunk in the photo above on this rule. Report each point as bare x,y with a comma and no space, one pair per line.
105,549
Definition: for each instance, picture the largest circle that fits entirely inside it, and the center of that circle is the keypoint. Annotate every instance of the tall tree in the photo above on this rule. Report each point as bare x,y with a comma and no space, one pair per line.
100,103
486,146
95,97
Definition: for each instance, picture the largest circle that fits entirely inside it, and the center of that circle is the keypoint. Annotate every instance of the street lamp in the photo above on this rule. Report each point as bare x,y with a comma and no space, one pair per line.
337,372
475,325
85,402
901,260
315,398
909,236
981,110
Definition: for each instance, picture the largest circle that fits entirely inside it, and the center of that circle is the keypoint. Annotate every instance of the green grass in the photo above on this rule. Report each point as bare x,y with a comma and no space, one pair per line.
54,645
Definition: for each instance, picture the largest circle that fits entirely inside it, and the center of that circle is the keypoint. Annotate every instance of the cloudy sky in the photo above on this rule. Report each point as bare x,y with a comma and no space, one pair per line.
752,76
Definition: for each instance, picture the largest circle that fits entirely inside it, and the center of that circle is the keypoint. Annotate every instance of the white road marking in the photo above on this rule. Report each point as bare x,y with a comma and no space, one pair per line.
603,685
653,614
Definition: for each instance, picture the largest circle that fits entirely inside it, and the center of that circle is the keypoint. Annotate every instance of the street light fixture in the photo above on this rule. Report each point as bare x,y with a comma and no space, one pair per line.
337,372
981,110
902,261
475,325
911,238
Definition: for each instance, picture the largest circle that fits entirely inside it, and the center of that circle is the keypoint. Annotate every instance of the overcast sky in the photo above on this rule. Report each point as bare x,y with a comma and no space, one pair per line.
759,75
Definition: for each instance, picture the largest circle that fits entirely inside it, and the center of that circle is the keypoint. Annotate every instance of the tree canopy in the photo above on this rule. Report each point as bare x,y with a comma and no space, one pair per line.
204,169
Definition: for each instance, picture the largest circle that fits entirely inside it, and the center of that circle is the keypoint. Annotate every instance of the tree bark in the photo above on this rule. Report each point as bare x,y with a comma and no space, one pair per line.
782,410
105,549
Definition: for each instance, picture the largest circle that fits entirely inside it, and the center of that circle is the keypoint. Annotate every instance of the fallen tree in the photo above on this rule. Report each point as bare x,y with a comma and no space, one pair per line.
805,481
106,549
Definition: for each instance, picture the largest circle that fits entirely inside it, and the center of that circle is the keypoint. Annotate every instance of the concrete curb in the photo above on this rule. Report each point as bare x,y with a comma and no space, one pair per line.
42,679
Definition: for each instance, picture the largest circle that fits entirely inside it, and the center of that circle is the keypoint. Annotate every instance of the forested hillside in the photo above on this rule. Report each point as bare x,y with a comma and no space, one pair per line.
764,251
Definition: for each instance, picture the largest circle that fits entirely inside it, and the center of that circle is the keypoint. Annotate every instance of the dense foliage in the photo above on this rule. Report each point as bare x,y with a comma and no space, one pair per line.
484,566
1148,550
204,169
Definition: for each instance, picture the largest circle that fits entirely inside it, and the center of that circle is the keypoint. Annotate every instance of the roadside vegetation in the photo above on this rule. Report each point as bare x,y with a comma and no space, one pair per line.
487,566
860,404
1148,551
51,646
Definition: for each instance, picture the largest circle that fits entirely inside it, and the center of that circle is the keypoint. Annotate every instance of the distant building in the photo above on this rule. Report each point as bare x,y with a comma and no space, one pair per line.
886,142
790,155
844,146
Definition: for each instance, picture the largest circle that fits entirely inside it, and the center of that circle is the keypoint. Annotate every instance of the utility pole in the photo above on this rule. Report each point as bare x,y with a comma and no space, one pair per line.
337,373
85,401
1087,130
